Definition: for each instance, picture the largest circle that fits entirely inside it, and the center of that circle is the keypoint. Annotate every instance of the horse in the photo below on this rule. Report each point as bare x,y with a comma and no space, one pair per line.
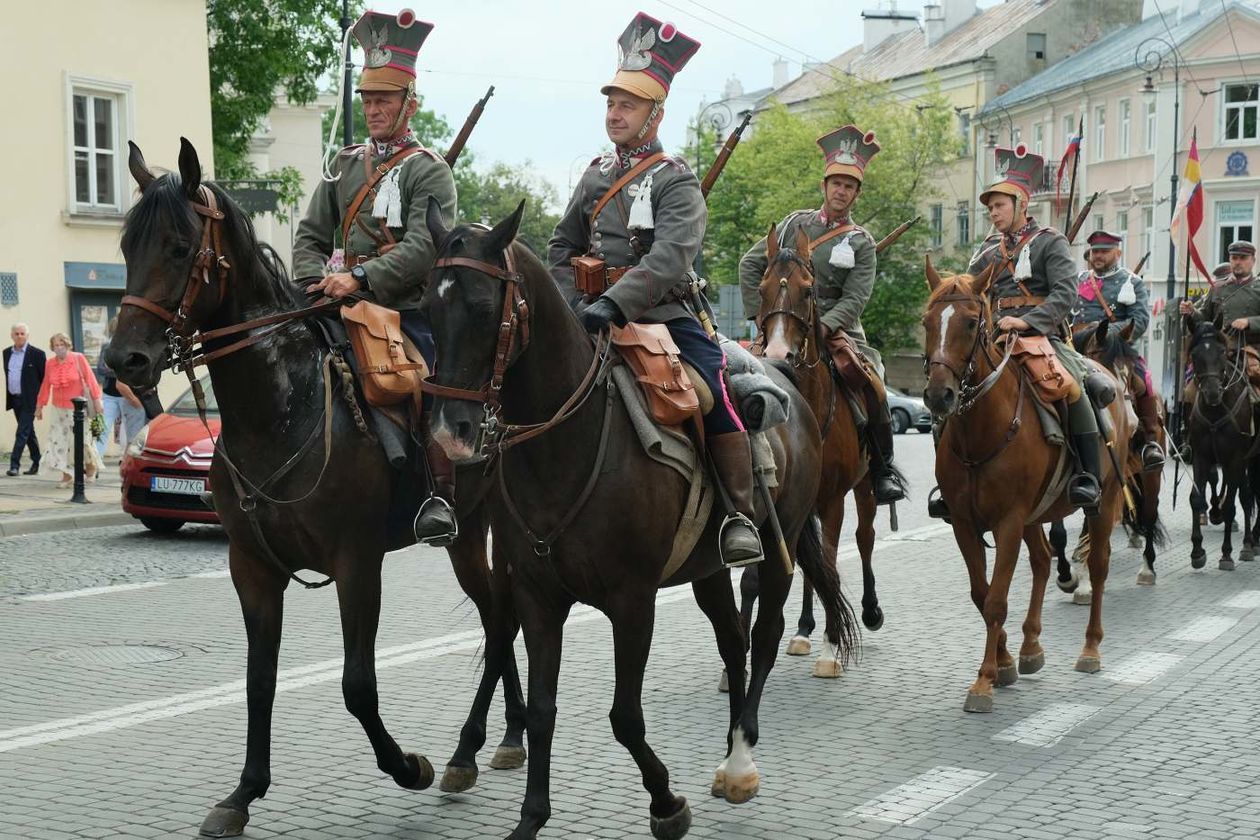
1221,431
1113,350
996,472
583,514
789,328
287,454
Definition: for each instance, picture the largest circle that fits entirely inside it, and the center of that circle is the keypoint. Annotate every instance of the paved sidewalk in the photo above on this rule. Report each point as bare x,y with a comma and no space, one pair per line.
32,504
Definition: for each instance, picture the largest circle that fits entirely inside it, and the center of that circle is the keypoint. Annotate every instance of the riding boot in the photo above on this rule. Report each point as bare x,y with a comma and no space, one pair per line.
1148,413
1084,488
435,522
884,479
739,541
936,507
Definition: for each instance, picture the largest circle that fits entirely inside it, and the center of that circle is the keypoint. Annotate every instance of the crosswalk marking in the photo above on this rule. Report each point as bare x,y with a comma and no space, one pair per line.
922,795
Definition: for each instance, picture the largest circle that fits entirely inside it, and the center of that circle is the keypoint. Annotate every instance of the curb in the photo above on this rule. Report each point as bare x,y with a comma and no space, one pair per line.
23,524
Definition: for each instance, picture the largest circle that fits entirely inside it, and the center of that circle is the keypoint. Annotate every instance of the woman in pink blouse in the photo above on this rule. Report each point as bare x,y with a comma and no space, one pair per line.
67,375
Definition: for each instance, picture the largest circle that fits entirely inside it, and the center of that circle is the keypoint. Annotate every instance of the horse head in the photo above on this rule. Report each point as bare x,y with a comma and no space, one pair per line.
473,296
1209,354
955,327
788,318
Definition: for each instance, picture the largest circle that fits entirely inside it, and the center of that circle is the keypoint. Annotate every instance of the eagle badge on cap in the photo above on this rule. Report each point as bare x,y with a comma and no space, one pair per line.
637,57
846,152
1001,168
375,53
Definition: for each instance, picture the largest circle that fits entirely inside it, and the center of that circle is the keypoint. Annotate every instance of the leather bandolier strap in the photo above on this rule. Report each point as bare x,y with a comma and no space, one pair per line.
374,177
617,186
832,234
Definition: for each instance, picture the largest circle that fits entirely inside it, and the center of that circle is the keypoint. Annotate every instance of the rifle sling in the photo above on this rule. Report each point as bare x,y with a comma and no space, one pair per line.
832,234
373,179
638,169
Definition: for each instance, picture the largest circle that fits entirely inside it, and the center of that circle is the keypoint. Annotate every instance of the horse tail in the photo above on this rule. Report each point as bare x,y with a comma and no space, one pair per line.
842,627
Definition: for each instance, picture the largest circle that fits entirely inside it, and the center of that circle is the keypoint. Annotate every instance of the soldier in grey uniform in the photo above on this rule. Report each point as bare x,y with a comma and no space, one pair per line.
1033,289
843,258
633,249
385,250
1236,302
1110,292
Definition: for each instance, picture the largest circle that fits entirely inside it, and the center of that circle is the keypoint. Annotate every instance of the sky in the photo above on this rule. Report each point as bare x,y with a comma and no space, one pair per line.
548,60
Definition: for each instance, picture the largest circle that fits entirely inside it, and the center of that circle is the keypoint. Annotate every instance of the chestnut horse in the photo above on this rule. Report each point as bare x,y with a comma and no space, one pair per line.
305,486
994,466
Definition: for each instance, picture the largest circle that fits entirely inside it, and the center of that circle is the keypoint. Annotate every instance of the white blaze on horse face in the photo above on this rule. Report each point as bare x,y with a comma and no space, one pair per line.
444,287
776,342
946,315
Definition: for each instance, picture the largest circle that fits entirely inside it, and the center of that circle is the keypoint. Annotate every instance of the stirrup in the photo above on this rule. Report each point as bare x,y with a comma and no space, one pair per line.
730,520
1085,492
1152,457
444,538
936,507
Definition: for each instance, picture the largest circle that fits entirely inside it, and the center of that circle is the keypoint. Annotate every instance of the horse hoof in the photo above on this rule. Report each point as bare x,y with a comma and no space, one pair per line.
1007,674
718,788
423,773
799,646
827,668
457,779
1226,564
873,619
1146,577
1089,664
979,703
508,757
1069,586
1198,559
1032,664
1083,596
1247,555
224,822
724,684
1215,516
673,827
1135,540
738,791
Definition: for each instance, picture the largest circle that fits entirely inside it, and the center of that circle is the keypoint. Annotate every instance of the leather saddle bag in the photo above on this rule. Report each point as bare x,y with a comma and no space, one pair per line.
387,376
1035,355
654,357
850,366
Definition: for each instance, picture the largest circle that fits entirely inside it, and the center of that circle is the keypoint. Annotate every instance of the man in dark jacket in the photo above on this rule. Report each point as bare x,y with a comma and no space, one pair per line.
23,375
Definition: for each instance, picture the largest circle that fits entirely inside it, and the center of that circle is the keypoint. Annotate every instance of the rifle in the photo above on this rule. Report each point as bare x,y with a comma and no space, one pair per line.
719,163
1142,263
1080,219
896,234
452,154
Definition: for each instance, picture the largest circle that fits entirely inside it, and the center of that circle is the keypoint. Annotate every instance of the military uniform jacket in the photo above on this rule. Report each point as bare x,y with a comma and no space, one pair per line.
1053,277
842,292
398,278
1230,301
653,290
1091,290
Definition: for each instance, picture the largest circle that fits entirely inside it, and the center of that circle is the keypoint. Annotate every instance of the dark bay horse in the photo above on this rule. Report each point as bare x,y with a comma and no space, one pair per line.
994,467
298,482
1221,430
789,328
582,514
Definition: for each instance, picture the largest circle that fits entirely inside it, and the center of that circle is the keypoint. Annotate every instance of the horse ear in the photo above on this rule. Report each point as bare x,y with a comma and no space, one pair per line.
433,220
505,231
1100,332
772,243
933,278
139,169
1127,332
802,243
189,167
980,285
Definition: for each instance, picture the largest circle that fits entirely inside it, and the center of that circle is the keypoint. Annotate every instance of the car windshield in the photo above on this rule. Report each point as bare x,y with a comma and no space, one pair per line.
186,405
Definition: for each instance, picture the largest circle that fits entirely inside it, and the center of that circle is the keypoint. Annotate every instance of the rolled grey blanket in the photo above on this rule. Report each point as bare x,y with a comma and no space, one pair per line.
762,403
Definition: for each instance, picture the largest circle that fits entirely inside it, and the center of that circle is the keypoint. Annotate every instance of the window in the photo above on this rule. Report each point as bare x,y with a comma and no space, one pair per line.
1098,221
1017,134
1100,133
964,129
1241,102
938,224
1039,138
964,224
1069,129
98,122
1148,229
1150,126
1122,223
1125,128
1037,46
1235,220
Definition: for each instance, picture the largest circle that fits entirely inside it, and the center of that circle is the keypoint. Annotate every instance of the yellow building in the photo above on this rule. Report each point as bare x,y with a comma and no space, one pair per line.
108,73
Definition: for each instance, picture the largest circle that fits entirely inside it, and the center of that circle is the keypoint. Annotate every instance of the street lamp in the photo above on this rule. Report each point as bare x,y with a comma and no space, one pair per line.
347,94
718,116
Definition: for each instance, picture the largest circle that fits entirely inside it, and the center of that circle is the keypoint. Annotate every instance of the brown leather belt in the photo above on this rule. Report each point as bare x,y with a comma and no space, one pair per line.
351,260
1019,301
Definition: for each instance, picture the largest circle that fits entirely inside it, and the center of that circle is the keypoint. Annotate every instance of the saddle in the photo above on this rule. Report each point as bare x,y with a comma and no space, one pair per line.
861,385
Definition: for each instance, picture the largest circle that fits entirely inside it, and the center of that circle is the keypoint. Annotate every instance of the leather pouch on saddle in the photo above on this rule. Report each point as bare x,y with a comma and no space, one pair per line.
387,376
1035,355
850,366
654,357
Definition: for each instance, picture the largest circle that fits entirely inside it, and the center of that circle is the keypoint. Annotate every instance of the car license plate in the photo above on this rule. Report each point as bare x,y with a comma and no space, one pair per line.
182,486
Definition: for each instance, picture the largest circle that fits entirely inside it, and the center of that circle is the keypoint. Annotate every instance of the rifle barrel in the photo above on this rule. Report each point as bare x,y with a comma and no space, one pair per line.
719,162
896,234
1080,219
461,139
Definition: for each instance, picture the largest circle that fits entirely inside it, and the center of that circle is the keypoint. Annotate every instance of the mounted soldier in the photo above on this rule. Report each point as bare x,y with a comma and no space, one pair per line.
1234,301
364,232
628,238
842,255
1032,289
1110,292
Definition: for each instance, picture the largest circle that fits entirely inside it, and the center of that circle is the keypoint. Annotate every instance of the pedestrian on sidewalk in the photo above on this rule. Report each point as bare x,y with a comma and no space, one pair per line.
24,374
120,401
68,375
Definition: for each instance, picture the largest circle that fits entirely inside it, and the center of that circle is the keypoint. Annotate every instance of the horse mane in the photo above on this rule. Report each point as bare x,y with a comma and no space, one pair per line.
955,284
788,256
1205,331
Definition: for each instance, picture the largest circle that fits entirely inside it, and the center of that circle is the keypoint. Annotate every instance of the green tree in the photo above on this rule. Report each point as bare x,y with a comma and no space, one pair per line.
776,170
491,195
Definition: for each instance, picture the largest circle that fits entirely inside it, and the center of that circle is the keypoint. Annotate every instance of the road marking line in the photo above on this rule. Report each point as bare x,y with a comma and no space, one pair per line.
1141,669
1247,600
288,679
922,795
92,590
1204,629
217,573
921,534
1047,727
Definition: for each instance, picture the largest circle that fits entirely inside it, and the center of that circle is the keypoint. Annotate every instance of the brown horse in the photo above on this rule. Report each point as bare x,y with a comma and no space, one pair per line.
304,486
582,514
788,328
997,473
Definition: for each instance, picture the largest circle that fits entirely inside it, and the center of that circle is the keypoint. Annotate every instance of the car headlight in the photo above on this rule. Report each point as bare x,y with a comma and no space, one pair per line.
136,444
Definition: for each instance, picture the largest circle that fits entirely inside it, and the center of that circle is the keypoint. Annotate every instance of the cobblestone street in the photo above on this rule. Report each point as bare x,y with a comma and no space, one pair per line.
123,710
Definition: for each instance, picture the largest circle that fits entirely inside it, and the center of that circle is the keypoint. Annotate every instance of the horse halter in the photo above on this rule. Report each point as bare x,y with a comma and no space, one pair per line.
808,321
969,394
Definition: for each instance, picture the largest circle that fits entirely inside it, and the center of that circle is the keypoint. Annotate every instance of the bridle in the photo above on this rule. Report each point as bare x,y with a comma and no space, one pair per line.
969,393
808,320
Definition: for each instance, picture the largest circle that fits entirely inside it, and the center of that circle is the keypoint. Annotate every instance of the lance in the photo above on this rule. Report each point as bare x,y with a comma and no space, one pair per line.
452,154
1080,219
1142,263
719,163
891,238
1076,159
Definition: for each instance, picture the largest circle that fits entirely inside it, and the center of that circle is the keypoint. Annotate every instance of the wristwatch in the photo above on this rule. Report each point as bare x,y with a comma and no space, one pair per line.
359,274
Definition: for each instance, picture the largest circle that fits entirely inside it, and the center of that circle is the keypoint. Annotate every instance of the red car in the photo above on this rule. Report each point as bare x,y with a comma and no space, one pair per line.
166,466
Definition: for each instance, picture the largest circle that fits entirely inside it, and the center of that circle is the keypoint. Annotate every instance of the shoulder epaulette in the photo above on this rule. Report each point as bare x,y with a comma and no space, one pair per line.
678,162
351,150
431,154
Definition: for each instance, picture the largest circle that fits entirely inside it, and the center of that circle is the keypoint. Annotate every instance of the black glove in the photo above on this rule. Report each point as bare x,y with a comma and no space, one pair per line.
595,317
